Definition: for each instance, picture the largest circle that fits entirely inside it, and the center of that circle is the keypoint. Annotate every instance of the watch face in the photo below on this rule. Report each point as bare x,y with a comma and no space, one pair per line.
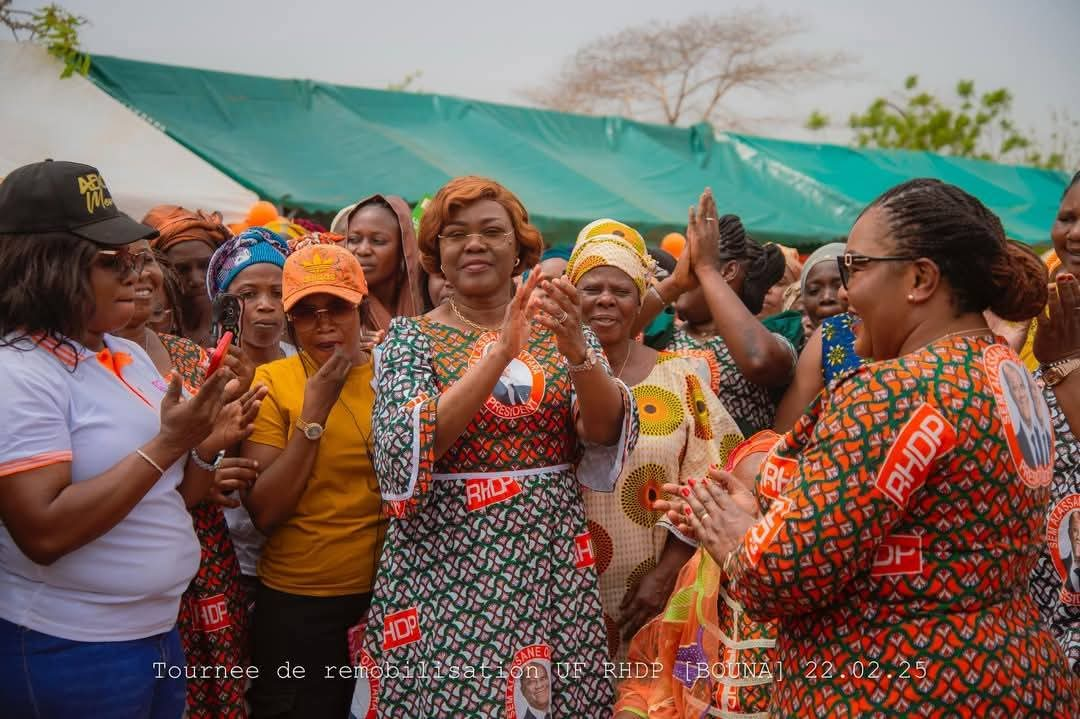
313,431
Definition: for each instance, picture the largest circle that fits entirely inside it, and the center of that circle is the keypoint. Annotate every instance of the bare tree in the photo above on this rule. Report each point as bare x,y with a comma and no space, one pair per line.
682,73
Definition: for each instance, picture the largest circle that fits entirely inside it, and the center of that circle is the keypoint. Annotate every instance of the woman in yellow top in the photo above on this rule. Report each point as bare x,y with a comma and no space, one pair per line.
316,498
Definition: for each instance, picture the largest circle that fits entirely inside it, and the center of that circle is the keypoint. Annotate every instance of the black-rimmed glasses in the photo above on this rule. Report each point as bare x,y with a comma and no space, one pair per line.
850,262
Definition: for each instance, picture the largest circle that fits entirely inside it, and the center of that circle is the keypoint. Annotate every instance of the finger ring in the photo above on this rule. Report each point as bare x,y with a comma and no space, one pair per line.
564,317
703,517
709,219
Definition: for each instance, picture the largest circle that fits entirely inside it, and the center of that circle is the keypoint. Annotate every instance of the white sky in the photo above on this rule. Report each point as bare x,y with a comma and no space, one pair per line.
492,50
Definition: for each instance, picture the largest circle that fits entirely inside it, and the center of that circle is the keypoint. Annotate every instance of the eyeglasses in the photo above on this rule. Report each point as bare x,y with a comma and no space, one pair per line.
306,317
122,262
850,262
491,237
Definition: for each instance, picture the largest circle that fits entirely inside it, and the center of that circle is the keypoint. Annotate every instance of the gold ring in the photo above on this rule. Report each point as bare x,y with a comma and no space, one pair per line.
703,517
565,316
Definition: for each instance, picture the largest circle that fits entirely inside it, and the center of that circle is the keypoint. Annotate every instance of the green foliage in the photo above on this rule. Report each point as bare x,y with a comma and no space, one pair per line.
971,125
406,83
51,26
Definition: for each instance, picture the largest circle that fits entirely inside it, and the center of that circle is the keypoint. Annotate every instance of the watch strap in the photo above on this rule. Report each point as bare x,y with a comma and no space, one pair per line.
203,464
1056,372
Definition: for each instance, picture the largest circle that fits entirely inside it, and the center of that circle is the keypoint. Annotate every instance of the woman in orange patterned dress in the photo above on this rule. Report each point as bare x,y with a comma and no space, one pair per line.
902,514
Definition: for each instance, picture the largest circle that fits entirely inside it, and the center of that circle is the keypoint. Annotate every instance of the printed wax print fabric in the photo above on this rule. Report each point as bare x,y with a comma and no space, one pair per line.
838,356
683,430
751,406
702,657
1055,582
903,523
213,614
486,597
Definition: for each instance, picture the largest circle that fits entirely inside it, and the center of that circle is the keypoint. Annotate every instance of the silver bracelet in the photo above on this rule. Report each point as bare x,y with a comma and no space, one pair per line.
204,465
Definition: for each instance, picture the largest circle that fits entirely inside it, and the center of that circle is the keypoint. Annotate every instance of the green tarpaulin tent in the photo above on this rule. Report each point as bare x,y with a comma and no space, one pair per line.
319,147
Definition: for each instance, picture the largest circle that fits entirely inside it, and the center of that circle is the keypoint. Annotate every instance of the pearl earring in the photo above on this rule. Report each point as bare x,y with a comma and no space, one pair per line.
911,298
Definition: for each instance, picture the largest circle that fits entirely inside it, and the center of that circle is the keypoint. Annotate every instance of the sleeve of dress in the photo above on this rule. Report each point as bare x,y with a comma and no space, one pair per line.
403,421
834,504
600,465
705,417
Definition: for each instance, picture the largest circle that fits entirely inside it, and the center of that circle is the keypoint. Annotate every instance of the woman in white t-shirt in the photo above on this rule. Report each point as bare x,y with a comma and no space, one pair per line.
99,457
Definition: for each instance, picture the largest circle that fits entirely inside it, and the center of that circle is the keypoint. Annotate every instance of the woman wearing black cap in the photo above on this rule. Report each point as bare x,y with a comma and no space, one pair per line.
96,545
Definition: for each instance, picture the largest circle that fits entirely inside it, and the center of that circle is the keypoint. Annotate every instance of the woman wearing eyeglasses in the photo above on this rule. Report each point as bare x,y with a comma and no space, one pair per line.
100,457
491,409
316,498
900,519
222,639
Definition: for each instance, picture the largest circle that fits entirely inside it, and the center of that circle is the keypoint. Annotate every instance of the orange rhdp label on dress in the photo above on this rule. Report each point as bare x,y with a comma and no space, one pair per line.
925,437
480,493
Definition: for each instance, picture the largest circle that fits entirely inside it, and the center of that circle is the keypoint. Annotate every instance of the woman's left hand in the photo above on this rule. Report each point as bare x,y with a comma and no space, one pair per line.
234,422
561,313
645,600
716,511
1058,335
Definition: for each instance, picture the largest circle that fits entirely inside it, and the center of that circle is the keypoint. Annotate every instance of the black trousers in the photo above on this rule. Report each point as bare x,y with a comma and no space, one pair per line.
294,634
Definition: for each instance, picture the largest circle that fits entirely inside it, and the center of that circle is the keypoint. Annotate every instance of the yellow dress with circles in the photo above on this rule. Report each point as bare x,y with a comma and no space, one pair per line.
683,429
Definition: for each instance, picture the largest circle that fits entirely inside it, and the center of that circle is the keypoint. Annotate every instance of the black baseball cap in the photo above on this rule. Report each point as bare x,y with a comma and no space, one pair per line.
55,196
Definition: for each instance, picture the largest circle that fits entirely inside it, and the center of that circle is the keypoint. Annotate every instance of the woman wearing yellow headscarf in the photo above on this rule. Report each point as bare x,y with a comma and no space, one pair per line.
684,429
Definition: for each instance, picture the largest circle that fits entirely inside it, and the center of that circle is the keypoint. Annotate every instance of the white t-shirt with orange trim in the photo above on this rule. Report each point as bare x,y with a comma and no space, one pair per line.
127,583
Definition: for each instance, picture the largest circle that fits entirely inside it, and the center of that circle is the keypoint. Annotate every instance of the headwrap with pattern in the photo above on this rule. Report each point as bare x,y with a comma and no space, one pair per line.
609,243
253,246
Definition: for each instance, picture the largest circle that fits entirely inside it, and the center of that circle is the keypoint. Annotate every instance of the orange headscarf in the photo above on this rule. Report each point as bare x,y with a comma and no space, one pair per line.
177,224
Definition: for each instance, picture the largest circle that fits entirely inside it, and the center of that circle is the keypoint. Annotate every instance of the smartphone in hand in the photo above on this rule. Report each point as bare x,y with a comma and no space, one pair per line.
220,351
226,315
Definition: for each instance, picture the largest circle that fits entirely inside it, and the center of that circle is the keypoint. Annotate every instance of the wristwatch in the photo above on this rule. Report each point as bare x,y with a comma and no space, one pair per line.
588,364
1056,372
203,464
311,430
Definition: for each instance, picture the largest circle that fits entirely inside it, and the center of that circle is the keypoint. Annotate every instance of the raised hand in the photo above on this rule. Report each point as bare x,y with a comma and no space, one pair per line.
703,232
560,311
185,423
235,422
518,325
324,387
1058,334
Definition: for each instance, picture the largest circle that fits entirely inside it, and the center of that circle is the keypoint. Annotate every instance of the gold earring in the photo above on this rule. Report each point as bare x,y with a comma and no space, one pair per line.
517,262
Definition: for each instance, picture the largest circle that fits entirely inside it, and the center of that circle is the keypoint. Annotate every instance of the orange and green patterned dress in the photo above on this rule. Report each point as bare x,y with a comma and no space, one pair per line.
906,514
486,597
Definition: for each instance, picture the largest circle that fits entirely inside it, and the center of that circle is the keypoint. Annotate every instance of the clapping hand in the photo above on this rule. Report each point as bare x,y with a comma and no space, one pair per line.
560,312
1058,334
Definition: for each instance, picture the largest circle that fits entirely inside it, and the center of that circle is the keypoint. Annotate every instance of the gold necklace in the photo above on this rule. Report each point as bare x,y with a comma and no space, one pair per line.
629,351
975,331
470,323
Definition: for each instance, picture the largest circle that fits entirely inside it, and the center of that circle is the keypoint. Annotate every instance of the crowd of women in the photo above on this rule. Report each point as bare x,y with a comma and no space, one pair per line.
444,470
